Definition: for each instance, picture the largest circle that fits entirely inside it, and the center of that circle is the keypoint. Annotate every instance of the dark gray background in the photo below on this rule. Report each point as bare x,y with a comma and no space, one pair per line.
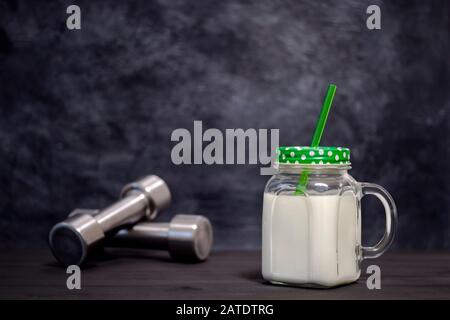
83,112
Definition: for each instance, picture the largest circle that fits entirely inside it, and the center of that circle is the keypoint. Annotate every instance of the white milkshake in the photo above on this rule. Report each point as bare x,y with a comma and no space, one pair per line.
311,240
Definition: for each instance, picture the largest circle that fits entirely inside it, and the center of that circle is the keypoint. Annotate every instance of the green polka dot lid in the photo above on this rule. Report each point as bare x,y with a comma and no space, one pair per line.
313,155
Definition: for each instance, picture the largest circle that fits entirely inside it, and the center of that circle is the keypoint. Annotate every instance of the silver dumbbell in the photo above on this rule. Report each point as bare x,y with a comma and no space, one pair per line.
74,239
186,237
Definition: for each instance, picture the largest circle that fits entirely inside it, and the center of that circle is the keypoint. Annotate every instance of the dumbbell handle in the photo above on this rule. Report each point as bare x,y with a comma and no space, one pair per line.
143,235
129,209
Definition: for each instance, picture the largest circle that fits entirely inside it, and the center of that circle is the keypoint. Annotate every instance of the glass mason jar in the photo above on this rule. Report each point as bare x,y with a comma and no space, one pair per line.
311,233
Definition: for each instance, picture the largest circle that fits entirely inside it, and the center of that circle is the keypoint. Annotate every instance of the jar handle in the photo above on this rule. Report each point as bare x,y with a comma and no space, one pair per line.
391,220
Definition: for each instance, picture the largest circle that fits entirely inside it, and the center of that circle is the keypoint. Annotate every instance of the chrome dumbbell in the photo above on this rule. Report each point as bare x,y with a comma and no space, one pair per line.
186,237
74,239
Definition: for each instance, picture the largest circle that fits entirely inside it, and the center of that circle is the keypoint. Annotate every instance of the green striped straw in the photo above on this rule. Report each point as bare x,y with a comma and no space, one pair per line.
320,126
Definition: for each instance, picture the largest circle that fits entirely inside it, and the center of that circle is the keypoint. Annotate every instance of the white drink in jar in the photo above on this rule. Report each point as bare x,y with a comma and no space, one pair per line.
312,239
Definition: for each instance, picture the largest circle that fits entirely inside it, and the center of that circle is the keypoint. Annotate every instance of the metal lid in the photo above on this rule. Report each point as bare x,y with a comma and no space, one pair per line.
313,155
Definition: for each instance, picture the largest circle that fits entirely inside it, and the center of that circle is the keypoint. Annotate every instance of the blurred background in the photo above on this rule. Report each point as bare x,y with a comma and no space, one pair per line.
82,112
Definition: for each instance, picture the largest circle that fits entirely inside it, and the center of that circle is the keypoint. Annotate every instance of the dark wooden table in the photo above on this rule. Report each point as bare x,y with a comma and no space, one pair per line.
226,275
